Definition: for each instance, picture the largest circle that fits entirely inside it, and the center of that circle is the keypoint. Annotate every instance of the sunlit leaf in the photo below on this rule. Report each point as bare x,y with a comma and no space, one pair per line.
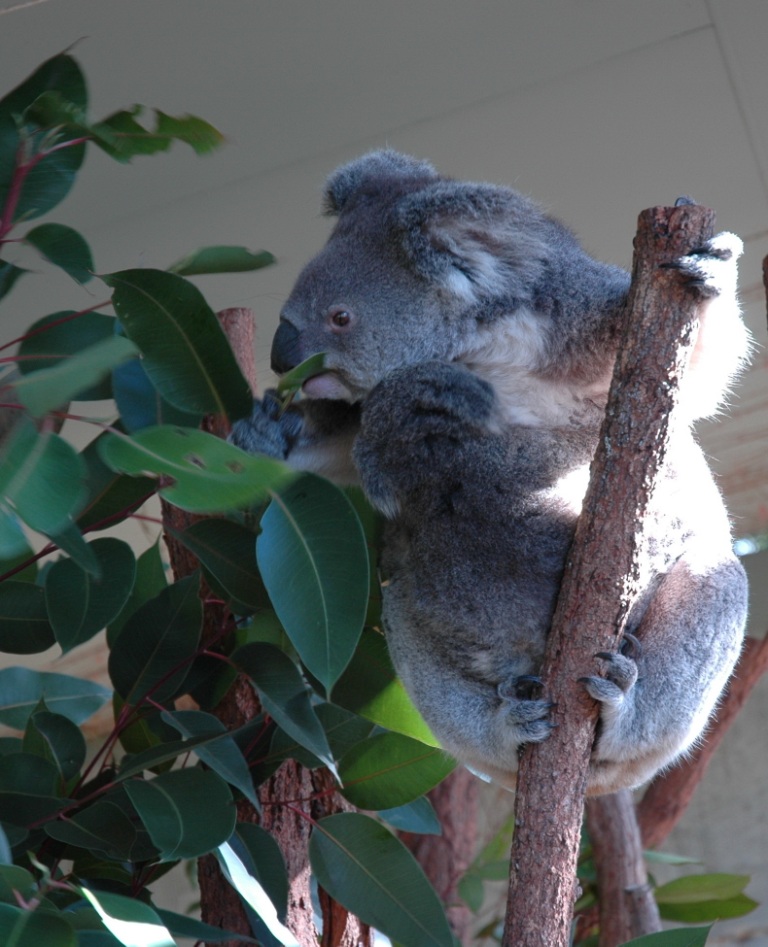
313,558
64,247
209,475
134,923
222,259
389,769
365,868
185,352
370,687
187,812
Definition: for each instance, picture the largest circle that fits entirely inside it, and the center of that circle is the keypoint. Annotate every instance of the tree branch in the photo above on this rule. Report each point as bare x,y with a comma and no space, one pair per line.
599,582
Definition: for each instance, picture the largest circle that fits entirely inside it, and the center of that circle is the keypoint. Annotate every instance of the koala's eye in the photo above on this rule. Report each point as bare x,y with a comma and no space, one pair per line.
340,318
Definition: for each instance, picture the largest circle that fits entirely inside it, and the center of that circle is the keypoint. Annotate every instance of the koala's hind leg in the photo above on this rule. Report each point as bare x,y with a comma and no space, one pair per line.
656,696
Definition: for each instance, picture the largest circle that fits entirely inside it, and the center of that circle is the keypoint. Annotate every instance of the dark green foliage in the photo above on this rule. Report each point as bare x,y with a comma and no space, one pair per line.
285,562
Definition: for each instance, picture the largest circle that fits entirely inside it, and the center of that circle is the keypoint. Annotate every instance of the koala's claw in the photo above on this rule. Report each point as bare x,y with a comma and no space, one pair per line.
703,268
271,429
530,715
620,673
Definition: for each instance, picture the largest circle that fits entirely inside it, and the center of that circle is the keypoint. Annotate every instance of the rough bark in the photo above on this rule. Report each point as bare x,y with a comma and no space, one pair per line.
598,585
627,906
668,796
446,857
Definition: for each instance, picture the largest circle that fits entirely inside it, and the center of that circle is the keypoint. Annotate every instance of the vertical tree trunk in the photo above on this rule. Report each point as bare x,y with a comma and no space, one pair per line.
598,585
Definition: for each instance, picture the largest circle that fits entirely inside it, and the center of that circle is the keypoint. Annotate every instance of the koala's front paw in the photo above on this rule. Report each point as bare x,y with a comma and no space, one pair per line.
270,429
529,713
711,268
620,673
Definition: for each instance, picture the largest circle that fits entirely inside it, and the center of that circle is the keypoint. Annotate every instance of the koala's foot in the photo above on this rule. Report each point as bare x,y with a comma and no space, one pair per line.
525,709
620,673
711,268
271,429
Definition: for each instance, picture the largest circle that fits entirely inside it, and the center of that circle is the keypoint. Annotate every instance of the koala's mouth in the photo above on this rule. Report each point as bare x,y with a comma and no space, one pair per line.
326,385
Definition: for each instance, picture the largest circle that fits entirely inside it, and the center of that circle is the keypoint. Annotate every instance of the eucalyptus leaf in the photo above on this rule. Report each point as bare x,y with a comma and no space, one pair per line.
134,923
80,604
223,259
139,402
313,558
690,937
64,247
28,789
57,739
112,497
22,689
102,827
43,391
185,352
284,696
187,812
9,273
370,687
292,380
42,479
264,861
22,928
417,816
389,769
151,656
208,475
24,625
365,868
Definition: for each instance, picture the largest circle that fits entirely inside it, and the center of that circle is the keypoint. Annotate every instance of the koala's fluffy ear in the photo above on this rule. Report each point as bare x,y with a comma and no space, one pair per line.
374,172
477,240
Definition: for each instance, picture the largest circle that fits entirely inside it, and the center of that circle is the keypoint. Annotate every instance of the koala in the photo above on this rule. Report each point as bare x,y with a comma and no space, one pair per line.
469,344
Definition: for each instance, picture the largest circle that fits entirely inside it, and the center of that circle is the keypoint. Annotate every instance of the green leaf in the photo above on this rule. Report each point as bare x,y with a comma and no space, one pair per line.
314,561
365,868
209,475
42,479
16,879
111,496
64,247
24,625
150,582
71,541
55,738
389,769
133,923
140,404
49,181
292,381
20,928
679,938
152,654
79,604
103,828
222,755
417,816
60,73
28,789
54,338
370,687
13,543
284,696
123,137
222,259
187,812
343,730
261,855
228,552
715,910
9,273
704,887
21,690
45,390
185,352
183,926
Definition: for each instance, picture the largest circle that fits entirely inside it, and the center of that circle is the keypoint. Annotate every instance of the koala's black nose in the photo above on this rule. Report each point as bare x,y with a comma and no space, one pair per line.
285,353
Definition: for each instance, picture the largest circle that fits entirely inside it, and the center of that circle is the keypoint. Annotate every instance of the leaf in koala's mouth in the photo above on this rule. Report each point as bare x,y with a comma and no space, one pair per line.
292,381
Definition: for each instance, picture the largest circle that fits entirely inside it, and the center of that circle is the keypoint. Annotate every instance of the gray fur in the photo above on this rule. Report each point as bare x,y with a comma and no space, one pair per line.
469,345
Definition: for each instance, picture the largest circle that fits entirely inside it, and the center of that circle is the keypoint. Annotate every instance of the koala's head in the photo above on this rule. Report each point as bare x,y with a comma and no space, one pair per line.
416,268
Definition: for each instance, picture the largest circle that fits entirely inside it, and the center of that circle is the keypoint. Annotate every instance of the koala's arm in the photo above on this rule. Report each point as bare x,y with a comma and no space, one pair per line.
315,436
